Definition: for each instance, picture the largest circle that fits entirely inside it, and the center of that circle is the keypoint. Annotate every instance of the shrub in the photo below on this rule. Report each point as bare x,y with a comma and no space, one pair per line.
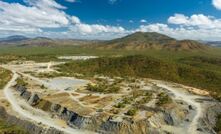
131,112
218,124
163,99
20,81
120,105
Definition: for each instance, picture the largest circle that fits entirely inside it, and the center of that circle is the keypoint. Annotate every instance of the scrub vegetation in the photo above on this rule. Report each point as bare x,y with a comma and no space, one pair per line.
10,129
200,72
218,124
5,76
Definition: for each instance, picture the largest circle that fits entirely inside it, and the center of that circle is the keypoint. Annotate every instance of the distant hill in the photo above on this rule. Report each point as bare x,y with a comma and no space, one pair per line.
150,40
136,41
22,41
213,43
14,38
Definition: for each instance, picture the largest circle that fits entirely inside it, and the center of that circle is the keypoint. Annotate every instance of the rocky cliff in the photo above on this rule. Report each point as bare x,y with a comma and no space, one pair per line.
100,122
105,123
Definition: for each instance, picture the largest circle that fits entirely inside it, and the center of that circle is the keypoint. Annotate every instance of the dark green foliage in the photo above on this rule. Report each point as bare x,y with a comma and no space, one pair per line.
43,87
148,67
124,102
10,129
140,66
96,88
120,105
5,76
127,100
194,61
218,124
163,99
145,99
131,112
103,88
21,82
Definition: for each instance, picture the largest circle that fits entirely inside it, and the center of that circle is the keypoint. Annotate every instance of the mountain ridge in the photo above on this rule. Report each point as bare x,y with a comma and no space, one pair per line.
150,40
14,38
135,41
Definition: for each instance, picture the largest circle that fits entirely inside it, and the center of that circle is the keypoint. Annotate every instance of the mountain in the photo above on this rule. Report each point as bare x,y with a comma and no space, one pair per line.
150,40
48,42
136,41
14,38
213,43
23,41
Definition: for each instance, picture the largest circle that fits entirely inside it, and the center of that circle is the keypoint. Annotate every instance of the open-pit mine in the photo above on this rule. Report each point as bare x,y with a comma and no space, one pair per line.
101,104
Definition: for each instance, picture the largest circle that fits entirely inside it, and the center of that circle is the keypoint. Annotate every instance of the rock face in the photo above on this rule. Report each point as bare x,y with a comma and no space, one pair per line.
116,127
32,98
209,120
21,89
104,123
26,95
72,118
100,123
168,119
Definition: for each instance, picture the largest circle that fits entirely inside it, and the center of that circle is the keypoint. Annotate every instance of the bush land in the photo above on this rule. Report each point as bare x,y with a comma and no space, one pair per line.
148,67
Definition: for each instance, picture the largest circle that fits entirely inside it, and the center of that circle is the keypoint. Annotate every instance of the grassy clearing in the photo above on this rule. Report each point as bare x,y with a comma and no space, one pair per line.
218,124
20,81
10,129
5,76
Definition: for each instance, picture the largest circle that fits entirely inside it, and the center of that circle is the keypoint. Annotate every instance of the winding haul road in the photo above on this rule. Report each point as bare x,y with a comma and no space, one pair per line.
27,114
190,100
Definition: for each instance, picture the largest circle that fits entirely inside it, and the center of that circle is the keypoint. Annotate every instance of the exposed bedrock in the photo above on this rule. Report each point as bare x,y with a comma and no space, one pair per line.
32,98
209,119
105,123
116,127
100,122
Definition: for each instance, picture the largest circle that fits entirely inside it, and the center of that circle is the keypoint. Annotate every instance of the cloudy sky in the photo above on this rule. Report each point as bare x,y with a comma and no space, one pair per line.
107,19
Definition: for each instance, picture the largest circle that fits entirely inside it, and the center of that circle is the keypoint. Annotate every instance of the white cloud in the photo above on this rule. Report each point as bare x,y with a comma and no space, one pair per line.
44,4
39,14
75,20
158,27
198,20
178,19
217,4
143,21
180,31
96,28
96,31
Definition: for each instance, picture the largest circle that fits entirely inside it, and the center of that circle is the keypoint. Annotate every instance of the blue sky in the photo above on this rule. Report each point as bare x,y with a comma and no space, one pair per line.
107,19
153,11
